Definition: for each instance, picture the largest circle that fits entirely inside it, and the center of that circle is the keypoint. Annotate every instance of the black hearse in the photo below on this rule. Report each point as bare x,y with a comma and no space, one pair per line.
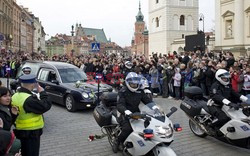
66,84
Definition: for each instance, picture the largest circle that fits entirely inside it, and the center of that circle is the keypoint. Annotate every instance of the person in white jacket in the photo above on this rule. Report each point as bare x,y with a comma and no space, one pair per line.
177,83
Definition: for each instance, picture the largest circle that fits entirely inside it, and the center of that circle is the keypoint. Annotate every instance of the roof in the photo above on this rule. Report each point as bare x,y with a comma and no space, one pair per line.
59,65
99,33
139,17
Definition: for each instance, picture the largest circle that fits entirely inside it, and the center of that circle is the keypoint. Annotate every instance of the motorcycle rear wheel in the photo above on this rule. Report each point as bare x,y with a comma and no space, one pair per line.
111,139
196,129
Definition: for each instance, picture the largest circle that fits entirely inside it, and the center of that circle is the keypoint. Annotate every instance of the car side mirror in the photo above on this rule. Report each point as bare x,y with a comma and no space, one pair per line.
173,110
55,82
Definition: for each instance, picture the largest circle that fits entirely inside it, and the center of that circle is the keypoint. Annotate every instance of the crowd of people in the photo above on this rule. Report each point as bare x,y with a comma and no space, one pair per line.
168,75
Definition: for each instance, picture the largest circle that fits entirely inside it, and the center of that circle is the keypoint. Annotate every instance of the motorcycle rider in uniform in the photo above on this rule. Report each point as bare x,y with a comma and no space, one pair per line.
129,98
222,93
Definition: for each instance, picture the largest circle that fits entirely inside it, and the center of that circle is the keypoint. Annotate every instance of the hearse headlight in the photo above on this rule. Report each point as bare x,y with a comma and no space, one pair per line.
85,95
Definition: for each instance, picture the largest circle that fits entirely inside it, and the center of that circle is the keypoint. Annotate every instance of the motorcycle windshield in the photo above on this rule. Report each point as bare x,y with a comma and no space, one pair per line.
143,83
154,111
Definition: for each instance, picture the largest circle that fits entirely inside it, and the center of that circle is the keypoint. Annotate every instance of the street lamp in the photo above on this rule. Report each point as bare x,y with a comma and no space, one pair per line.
202,18
72,40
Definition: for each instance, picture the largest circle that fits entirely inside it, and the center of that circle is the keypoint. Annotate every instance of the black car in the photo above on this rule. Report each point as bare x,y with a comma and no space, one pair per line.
66,84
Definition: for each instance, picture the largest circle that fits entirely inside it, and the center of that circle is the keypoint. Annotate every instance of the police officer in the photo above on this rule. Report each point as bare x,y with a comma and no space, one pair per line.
29,122
129,98
14,85
222,94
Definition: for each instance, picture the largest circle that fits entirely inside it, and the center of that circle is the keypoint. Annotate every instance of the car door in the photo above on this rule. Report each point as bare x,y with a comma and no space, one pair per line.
44,79
55,87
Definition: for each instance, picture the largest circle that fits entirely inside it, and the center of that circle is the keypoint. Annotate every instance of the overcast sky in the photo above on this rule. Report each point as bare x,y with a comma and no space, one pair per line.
116,17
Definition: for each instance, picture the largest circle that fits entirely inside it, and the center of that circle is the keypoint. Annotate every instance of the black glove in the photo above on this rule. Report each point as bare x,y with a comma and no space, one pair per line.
234,105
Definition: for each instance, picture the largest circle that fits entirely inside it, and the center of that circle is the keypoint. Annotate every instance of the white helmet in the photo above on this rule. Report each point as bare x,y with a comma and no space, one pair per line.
128,64
223,76
132,81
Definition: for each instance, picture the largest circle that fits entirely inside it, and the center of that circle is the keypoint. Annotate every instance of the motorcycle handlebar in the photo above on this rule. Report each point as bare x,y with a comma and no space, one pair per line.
137,116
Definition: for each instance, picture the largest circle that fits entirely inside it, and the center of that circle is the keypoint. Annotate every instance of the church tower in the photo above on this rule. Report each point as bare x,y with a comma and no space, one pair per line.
170,20
140,38
139,26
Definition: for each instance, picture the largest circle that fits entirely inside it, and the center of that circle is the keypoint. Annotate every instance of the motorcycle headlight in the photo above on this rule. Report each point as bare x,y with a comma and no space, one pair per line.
85,95
164,131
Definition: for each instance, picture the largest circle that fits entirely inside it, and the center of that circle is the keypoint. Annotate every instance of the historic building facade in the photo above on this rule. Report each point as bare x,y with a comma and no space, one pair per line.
232,26
20,30
17,14
140,39
170,20
38,36
6,24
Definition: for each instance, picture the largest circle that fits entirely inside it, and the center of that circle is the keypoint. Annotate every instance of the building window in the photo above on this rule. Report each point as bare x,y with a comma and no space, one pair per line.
157,1
182,20
157,21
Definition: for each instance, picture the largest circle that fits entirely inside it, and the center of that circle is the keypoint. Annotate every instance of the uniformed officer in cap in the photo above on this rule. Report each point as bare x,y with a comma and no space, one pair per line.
15,85
29,122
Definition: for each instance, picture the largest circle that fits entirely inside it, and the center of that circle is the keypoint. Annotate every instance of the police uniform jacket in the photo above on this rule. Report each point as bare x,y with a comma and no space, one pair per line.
220,92
33,105
128,100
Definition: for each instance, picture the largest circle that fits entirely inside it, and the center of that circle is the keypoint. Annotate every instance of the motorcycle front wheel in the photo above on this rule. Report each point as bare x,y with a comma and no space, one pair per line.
196,129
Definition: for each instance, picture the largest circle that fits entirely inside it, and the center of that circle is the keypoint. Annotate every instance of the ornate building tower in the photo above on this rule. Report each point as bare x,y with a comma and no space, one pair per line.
140,39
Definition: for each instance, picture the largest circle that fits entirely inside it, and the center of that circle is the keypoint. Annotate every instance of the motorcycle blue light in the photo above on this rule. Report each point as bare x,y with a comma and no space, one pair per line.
148,131
177,127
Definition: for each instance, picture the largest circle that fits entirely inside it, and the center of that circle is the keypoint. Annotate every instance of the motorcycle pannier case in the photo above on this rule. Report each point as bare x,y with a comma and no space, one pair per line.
191,107
193,93
109,99
102,115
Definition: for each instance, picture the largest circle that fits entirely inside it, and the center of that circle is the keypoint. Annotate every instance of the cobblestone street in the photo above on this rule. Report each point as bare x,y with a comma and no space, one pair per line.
67,134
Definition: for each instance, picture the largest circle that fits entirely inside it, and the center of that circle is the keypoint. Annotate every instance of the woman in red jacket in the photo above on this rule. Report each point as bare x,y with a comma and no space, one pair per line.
235,75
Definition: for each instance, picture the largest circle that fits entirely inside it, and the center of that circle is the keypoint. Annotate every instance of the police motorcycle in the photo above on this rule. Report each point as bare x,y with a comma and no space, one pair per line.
152,129
235,132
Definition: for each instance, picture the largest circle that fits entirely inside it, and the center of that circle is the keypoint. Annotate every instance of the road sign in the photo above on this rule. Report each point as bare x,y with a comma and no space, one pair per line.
95,47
